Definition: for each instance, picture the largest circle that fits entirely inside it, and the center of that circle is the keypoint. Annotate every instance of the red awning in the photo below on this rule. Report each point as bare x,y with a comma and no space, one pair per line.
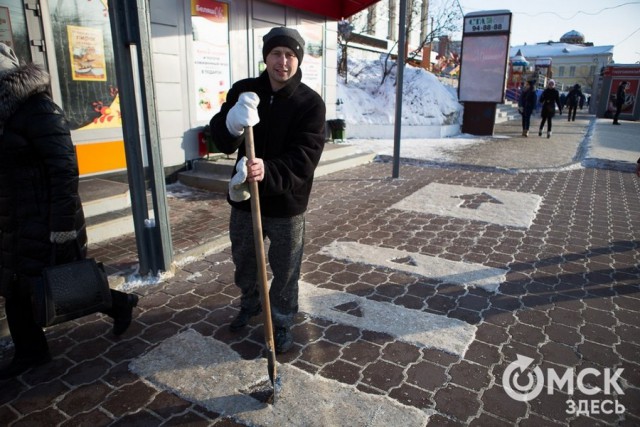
332,9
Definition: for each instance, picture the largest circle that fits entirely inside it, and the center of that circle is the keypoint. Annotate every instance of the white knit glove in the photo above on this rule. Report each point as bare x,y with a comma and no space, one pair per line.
238,186
244,113
62,236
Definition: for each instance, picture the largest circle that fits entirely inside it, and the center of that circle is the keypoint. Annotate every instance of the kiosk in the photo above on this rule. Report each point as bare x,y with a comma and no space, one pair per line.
613,75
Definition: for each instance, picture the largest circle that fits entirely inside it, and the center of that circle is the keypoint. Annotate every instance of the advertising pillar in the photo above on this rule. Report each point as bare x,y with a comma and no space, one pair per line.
483,68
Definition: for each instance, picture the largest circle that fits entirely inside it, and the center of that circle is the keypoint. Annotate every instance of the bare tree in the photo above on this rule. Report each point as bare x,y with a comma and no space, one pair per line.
445,18
428,18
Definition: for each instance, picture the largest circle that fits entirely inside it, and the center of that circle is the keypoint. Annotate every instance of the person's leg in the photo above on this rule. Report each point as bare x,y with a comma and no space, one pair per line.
617,114
243,253
549,126
286,237
542,122
30,343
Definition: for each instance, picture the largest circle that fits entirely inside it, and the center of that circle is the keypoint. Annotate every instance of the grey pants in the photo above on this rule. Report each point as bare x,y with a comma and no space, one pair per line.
286,243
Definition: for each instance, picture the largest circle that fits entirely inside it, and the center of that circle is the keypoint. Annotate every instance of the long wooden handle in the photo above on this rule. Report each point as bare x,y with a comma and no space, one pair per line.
260,257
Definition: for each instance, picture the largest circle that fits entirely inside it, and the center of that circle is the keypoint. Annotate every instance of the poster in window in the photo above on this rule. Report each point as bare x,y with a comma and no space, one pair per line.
483,68
86,47
211,62
6,35
311,32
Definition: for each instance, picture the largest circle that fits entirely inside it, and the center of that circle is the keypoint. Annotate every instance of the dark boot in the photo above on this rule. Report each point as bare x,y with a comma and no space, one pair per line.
283,339
122,311
20,365
29,341
243,317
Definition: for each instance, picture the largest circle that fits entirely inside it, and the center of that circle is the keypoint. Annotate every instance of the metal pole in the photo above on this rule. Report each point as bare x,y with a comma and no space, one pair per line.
132,52
399,84
160,231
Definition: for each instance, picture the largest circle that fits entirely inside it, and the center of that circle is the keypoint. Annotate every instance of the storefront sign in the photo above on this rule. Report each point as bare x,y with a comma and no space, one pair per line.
487,23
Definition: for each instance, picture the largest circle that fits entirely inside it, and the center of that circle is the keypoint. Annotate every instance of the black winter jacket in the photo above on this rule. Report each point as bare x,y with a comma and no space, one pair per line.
549,99
528,100
289,139
38,178
573,97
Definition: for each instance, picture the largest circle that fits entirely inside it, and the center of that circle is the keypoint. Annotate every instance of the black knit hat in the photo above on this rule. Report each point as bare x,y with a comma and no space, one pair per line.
283,36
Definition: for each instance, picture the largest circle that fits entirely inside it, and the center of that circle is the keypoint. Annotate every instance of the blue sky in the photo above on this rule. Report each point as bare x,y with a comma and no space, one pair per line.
609,22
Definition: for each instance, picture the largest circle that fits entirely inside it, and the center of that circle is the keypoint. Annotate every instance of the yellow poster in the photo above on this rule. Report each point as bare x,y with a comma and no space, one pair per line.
86,46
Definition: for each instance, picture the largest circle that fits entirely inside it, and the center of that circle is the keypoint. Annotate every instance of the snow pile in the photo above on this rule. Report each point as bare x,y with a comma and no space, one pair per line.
367,100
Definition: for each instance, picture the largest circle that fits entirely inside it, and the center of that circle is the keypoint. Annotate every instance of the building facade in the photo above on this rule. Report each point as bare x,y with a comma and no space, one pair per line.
199,48
572,60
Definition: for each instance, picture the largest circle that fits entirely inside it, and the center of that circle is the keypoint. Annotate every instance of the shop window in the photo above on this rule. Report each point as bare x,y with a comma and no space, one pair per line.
13,29
85,63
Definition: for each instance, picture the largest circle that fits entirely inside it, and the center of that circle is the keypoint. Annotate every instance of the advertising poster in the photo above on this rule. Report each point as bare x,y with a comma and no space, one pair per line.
311,32
6,36
630,98
211,64
86,46
483,68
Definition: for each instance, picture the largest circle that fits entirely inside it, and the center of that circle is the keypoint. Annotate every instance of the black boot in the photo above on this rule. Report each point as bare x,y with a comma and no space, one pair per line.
20,365
283,339
122,310
243,317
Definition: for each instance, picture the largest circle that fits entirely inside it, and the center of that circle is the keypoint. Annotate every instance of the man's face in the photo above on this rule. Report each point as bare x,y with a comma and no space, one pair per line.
282,64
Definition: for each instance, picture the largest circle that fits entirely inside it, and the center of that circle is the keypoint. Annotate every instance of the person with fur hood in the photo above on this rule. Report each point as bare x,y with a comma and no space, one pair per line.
40,209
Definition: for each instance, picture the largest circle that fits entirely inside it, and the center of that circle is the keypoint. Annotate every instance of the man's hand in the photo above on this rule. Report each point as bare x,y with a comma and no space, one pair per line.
243,114
255,170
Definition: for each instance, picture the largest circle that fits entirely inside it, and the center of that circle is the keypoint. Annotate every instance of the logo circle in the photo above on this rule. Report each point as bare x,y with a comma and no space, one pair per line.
512,383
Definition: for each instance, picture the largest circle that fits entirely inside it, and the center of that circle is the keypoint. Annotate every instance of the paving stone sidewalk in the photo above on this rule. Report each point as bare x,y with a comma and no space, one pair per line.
571,300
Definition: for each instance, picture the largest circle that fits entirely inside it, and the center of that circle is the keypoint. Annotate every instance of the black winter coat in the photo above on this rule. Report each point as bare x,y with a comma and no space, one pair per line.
289,139
573,97
38,178
549,99
528,100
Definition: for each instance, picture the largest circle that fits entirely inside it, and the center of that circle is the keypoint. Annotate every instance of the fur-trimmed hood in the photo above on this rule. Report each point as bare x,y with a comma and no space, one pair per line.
17,85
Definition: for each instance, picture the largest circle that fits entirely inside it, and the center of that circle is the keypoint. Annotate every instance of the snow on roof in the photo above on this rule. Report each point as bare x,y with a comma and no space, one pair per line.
558,49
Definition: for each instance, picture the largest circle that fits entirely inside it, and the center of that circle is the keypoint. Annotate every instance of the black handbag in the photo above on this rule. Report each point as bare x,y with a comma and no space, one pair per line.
70,291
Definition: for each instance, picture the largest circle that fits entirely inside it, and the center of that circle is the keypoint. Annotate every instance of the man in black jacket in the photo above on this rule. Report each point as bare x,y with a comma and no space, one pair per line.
573,100
620,99
289,121
40,208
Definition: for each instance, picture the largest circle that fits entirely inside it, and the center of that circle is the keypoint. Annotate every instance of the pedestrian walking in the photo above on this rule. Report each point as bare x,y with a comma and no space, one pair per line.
526,105
289,133
549,99
40,209
620,99
573,100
